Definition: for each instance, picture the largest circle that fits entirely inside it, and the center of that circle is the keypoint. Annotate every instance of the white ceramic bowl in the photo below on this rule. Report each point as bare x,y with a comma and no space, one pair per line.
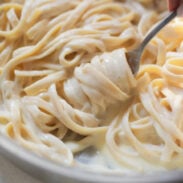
50,172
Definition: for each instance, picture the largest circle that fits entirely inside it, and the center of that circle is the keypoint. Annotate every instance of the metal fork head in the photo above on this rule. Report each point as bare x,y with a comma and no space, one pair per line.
133,58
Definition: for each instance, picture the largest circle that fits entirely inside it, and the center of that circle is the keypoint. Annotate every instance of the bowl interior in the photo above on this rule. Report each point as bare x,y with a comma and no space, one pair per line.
49,171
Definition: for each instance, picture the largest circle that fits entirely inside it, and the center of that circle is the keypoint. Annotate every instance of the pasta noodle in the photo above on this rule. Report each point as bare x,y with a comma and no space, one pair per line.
68,94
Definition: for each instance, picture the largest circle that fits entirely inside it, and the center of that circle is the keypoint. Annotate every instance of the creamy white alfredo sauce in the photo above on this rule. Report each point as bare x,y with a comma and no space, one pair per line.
68,94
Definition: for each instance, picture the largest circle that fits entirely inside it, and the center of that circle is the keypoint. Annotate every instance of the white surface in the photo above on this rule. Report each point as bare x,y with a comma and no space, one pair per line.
10,174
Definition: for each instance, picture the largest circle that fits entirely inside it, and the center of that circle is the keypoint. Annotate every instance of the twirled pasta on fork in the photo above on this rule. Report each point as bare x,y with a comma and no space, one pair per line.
66,87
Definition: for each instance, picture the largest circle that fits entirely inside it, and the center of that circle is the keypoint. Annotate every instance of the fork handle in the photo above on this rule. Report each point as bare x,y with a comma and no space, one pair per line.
156,29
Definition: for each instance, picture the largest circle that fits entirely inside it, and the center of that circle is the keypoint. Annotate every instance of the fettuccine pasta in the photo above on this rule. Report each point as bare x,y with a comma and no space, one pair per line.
67,91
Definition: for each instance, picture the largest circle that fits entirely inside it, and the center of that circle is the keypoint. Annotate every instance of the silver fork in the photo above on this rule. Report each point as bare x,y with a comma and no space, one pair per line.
134,56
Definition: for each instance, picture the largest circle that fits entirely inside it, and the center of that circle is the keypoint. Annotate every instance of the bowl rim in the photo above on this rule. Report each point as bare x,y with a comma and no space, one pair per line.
10,150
